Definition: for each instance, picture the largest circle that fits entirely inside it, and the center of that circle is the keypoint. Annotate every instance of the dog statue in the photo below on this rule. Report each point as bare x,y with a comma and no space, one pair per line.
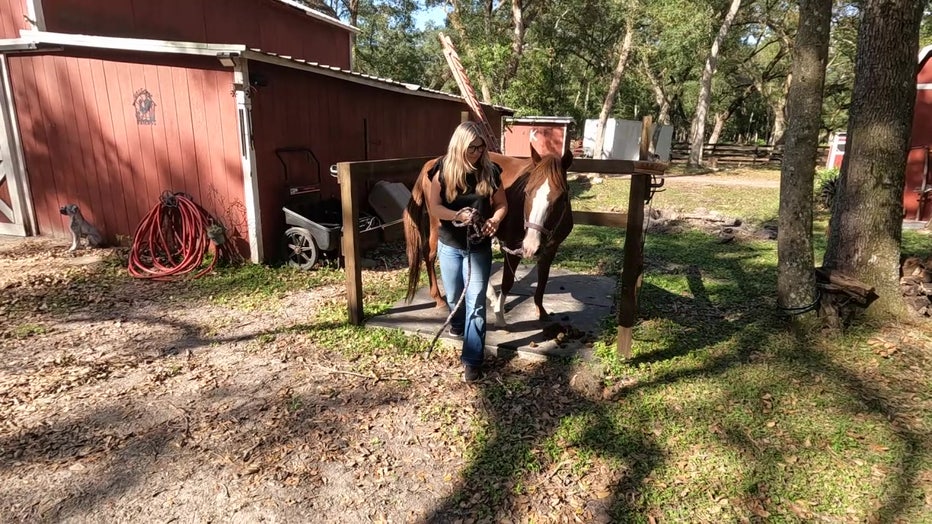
81,228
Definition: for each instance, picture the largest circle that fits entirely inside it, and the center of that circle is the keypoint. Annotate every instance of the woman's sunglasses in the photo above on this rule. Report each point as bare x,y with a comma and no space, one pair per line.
472,149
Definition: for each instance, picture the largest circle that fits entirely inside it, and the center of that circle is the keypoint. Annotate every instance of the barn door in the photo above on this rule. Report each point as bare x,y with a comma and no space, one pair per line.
12,197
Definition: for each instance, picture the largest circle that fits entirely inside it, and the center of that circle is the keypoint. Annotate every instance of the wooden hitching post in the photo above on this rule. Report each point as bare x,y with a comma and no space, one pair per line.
351,262
633,263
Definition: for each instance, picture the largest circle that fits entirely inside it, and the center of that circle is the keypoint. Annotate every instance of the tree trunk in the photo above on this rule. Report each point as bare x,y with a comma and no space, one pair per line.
720,118
457,23
778,106
867,215
517,42
796,286
354,12
624,49
663,102
697,130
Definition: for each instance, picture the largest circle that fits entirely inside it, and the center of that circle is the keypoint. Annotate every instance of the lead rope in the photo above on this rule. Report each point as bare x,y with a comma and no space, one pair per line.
473,236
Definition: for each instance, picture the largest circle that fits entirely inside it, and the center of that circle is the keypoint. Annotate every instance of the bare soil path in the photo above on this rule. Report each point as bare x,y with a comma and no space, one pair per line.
129,401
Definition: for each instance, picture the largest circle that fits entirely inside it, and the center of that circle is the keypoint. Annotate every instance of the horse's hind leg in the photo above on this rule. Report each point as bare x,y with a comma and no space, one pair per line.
508,281
430,262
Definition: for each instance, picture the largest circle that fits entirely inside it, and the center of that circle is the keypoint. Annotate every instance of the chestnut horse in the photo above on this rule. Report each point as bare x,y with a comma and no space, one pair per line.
539,218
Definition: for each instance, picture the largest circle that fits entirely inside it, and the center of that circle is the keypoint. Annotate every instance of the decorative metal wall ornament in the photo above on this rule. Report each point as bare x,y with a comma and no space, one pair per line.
145,107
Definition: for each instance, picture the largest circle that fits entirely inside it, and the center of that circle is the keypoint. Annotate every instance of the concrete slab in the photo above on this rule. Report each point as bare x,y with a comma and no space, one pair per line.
577,304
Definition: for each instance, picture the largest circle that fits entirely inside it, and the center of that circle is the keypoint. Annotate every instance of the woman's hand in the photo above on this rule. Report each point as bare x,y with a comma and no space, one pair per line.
490,227
464,216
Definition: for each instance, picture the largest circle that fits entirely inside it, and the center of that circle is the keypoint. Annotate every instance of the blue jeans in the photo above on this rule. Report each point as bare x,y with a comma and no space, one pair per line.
456,267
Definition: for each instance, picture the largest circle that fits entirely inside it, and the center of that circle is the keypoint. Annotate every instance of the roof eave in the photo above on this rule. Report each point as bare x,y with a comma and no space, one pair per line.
129,44
318,15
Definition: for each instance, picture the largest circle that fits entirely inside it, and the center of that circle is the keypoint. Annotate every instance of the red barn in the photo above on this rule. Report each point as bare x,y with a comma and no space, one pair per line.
108,104
917,197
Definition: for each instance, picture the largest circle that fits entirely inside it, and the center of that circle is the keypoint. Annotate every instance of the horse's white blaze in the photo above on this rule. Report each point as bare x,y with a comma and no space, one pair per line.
539,209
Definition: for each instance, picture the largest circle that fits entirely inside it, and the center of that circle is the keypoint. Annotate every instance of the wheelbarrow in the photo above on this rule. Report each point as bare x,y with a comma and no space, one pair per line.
310,239
316,225
306,240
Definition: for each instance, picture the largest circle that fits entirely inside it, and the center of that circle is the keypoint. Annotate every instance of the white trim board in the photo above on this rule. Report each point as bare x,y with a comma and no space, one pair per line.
129,44
20,193
248,159
35,14
16,44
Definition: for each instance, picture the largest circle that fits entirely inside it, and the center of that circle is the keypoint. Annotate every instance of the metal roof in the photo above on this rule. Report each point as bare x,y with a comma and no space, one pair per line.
354,76
539,119
319,15
31,39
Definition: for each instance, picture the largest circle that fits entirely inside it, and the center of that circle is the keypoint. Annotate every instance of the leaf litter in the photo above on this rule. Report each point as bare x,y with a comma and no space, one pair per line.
120,402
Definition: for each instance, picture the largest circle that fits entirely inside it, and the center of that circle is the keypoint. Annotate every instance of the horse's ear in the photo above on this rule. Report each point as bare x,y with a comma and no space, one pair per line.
535,156
567,159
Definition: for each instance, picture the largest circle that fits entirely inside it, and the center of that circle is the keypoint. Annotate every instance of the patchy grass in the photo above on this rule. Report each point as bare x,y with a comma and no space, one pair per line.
255,286
755,205
722,415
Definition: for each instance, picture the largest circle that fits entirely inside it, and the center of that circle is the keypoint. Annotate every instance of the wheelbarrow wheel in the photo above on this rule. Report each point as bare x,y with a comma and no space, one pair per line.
300,248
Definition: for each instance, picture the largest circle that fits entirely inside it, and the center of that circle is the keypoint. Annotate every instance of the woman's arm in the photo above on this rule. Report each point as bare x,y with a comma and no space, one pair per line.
499,209
436,206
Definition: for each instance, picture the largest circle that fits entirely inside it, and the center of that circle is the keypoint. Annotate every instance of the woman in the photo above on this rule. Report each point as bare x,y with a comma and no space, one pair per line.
467,197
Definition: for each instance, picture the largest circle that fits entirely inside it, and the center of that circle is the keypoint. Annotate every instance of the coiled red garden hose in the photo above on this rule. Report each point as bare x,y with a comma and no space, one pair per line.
172,240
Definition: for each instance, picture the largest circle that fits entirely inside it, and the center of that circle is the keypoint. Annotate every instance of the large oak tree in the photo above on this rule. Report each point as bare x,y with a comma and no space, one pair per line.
867,214
795,280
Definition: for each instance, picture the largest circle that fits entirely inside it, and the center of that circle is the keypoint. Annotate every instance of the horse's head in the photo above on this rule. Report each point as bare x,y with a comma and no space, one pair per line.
546,200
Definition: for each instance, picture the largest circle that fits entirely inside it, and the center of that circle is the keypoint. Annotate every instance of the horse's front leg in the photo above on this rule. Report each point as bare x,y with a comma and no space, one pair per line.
508,281
543,273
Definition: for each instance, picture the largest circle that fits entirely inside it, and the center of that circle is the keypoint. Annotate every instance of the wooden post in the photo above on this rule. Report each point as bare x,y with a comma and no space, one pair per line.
633,263
351,261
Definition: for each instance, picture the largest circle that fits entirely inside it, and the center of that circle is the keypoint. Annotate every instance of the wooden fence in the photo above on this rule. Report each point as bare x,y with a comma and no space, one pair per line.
737,154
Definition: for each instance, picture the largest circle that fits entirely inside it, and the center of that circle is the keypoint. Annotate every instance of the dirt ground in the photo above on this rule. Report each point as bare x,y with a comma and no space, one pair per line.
120,402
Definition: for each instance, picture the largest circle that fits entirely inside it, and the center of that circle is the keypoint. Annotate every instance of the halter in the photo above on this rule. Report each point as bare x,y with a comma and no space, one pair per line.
540,227
547,233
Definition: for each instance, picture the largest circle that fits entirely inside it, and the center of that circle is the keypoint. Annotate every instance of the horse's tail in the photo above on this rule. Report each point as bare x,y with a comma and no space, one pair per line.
417,229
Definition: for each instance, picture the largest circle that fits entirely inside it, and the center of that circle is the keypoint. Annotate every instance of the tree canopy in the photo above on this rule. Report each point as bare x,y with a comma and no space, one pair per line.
542,57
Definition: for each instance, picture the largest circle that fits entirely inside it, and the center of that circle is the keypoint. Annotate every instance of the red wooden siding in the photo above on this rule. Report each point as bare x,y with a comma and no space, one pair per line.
265,24
548,138
11,18
4,197
83,144
925,70
331,117
920,142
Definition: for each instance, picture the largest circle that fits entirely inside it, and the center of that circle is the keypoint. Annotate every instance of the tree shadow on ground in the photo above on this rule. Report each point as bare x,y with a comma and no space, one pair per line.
527,414
532,418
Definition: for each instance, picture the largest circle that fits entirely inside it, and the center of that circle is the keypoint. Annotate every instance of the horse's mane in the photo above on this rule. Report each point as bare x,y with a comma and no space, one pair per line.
550,168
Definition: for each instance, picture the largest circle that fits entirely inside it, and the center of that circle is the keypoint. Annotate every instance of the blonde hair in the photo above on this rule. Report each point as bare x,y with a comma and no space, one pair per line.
456,166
